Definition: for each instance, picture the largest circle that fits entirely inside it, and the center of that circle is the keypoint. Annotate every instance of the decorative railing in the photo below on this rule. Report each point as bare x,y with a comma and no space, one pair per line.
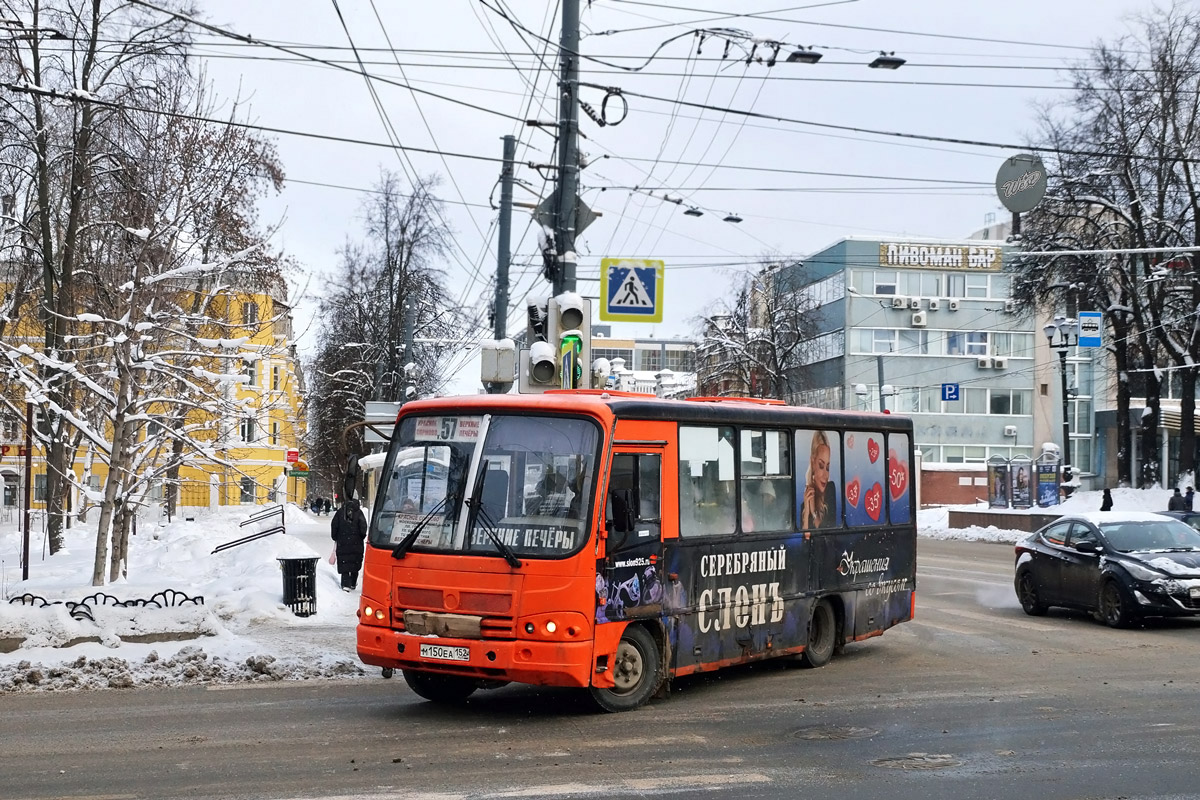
82,609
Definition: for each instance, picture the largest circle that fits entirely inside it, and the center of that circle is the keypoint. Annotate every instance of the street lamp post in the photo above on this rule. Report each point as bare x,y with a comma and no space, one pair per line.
1062,334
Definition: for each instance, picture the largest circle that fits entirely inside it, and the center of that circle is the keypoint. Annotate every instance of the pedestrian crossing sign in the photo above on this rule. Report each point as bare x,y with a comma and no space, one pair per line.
631,290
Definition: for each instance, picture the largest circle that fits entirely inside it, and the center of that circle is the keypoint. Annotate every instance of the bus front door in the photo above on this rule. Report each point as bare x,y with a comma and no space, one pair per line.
629,582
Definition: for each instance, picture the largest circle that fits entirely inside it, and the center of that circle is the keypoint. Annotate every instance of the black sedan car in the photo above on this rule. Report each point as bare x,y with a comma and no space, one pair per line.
1190,517
1121,566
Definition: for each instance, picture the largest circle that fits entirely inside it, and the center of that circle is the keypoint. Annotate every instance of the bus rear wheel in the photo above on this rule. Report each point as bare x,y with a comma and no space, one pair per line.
636,672
440,688
822,636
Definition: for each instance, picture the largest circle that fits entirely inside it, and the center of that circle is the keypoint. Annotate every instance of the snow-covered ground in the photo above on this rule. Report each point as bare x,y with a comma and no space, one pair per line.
242,632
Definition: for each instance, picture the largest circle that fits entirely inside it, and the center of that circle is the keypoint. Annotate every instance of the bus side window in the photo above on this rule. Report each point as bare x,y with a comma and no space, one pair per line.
707,483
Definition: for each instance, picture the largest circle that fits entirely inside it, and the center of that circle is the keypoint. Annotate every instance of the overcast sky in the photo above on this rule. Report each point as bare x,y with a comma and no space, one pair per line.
978,74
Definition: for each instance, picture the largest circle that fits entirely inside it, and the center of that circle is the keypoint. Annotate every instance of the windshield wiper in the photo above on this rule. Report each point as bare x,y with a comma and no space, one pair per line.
401,550
477,513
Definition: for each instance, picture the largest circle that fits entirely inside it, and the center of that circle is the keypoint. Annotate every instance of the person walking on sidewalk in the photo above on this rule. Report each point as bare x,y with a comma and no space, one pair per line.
349,528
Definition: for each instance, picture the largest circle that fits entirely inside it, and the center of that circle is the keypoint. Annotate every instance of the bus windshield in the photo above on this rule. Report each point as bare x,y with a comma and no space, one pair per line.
534,494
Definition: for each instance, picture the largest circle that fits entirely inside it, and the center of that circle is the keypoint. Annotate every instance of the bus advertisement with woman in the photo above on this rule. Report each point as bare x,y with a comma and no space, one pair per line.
614,541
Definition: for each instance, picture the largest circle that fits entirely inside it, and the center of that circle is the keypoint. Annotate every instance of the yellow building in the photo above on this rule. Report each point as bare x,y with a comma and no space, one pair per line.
252,456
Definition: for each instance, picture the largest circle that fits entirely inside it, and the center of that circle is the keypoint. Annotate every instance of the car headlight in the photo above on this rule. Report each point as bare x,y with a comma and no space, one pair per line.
1141,573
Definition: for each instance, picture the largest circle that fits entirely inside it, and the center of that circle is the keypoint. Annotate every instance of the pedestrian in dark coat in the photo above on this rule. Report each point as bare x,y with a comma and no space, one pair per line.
1189,498
328,505
1106,503
349,528
1176,503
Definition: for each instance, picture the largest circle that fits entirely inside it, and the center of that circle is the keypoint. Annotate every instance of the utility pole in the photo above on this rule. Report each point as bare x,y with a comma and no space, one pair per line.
503,254
879,372
28,488
568,148
503,246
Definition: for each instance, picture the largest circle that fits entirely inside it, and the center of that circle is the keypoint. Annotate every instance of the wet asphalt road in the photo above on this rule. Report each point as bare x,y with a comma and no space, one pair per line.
972,700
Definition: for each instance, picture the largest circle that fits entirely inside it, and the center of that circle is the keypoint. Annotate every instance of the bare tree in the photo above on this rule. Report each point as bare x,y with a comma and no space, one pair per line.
757,343
386,279
1123,172
111,55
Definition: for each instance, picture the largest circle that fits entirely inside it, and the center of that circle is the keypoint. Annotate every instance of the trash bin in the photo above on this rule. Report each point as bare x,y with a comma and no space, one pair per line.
300,585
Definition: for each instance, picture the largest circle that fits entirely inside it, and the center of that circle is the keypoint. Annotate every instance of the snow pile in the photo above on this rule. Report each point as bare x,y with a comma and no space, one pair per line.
224,619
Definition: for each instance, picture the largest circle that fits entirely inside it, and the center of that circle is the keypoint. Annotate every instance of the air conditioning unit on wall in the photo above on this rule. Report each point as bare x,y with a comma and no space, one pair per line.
1010,430
918,319
983,362
952,304
1000,363
934,304
899,302
1010,306
914,303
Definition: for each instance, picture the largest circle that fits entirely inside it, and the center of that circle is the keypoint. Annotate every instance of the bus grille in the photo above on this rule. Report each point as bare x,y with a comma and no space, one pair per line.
495,608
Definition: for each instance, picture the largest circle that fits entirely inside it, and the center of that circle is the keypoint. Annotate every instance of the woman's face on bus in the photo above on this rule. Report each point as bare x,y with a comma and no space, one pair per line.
820,468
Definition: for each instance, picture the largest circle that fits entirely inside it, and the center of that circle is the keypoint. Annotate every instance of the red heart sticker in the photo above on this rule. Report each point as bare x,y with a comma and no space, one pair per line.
852,490
873,502
872,450
897,476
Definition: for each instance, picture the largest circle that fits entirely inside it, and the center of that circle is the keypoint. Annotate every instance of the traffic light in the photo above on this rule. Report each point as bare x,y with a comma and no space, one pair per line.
559,337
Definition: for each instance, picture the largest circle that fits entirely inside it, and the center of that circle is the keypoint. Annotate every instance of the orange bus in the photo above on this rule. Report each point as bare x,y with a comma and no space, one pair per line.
612,541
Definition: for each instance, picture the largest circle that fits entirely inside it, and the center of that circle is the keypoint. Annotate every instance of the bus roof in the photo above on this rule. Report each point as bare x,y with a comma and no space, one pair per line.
628,405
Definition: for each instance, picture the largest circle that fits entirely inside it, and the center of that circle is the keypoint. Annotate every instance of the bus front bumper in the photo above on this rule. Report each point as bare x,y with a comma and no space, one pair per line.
522,660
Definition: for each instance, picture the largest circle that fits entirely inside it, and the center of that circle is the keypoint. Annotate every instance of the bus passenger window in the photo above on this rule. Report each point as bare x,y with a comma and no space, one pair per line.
707,489
767,488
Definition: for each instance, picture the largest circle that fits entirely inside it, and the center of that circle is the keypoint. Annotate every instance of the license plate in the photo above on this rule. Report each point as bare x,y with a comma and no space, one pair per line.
444,653
1195,592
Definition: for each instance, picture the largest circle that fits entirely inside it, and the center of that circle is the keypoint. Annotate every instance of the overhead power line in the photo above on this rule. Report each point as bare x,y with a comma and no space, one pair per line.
263,43
878,132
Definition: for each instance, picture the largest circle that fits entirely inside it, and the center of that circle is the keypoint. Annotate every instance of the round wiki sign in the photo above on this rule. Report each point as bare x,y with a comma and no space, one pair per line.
1021,182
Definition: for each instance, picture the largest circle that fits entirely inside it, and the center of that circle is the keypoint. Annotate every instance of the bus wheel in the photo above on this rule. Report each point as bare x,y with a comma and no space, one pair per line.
822,635
440,688
636,672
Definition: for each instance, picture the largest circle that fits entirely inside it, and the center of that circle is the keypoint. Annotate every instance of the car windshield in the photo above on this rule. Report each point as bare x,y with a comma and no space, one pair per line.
536,478
1169,534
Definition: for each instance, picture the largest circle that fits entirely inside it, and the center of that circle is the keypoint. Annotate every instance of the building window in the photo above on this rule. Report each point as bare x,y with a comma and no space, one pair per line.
977,285
10,427
977,343
252,373
651,360
39,488
249,313
276,377
612,353
680,361
907,400
247,429
977,400
274,432
914,343
883,341
249,490
1001,286
885,283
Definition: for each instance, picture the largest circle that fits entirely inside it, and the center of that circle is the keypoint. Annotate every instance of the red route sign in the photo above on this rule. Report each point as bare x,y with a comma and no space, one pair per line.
293,456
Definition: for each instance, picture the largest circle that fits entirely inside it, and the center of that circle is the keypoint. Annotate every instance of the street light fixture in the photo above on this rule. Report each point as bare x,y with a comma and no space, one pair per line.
804,55
887,61
693,212
1062,334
